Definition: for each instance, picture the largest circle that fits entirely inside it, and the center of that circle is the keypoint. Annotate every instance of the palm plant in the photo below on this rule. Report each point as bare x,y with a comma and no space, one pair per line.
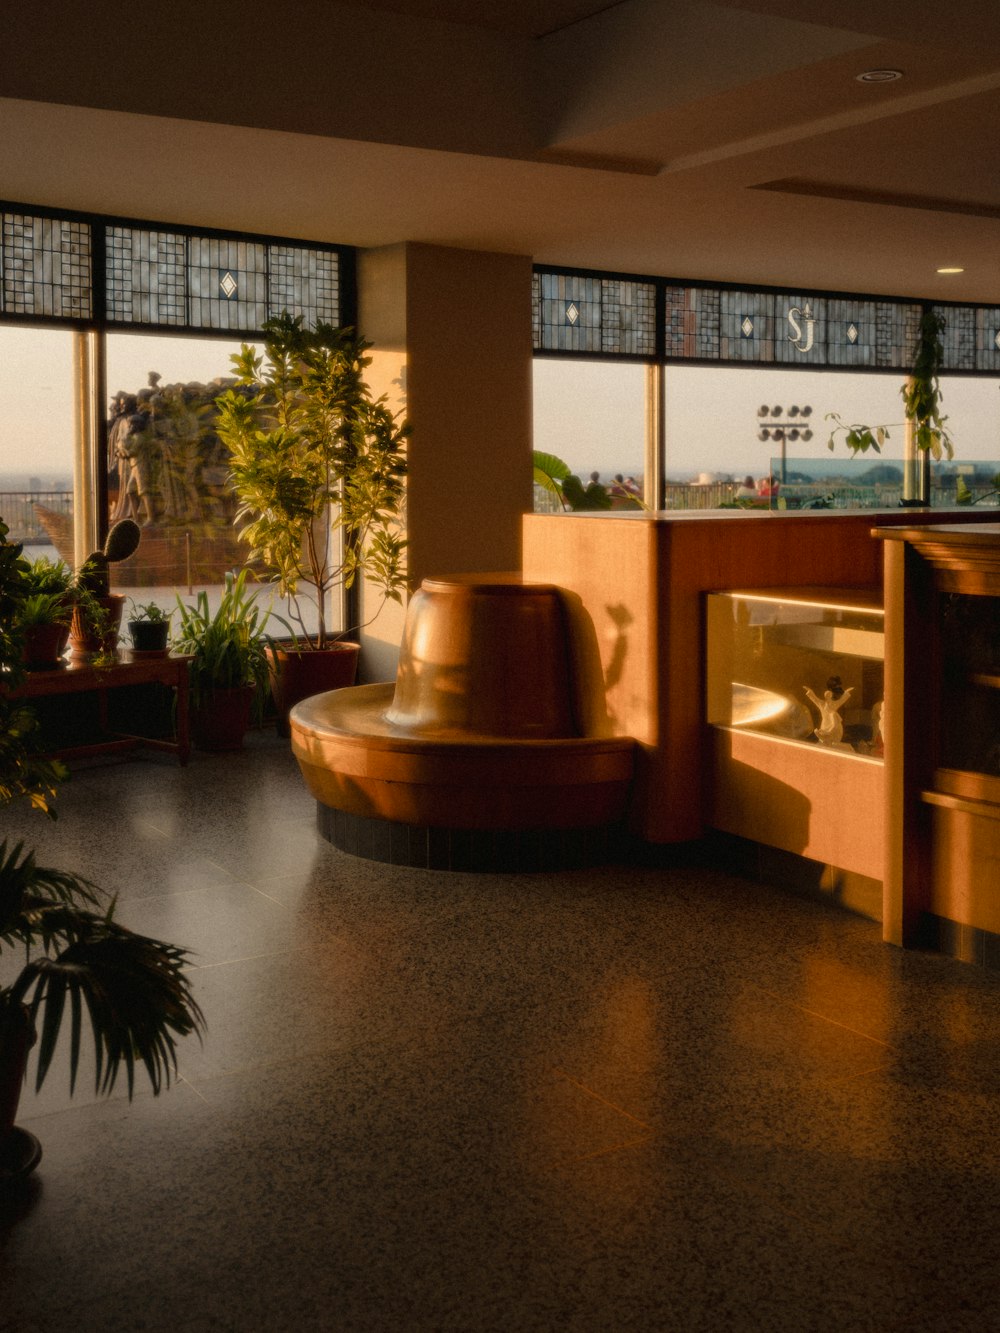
133,991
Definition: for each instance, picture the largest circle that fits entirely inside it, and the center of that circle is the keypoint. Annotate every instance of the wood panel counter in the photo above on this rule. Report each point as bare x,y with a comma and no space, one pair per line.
640,580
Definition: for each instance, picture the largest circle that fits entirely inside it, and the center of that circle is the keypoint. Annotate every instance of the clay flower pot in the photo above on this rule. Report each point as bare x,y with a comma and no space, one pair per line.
297,674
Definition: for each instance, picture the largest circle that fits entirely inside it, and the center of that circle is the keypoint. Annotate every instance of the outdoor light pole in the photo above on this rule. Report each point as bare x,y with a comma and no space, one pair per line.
776,424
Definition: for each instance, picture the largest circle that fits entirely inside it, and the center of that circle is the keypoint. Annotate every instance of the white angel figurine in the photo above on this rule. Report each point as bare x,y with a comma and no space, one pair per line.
831,727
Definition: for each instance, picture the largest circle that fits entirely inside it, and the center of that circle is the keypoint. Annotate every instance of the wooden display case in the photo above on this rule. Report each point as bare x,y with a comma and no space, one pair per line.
943,738
794,693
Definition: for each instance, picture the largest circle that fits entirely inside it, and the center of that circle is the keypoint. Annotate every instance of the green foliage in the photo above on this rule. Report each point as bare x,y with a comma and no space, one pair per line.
45,608
49,576
135,990
229,646
921,395
149,612
316,462
964,496
24,774
555,476
858,437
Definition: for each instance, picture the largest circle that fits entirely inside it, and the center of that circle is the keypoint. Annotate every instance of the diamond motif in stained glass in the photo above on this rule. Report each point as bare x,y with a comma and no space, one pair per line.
572,313
996,340
227,284
852,334
746,328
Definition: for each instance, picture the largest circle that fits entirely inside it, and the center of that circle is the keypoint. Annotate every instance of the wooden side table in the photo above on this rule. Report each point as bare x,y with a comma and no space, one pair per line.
129,669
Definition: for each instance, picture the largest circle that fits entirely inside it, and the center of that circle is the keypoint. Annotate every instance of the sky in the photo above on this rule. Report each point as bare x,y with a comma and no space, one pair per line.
36,377
592,414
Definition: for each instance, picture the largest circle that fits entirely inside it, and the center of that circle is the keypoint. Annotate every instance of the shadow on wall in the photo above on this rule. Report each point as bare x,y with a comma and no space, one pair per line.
589,680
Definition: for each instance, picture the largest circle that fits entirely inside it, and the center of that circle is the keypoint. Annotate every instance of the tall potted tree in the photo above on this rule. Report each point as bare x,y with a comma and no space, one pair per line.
317,464
132,991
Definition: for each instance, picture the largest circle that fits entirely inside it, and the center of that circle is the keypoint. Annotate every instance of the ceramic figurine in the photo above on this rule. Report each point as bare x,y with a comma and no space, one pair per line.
831,727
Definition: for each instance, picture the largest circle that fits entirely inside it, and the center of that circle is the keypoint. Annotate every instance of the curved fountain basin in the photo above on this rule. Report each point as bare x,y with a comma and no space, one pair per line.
479,735
355,758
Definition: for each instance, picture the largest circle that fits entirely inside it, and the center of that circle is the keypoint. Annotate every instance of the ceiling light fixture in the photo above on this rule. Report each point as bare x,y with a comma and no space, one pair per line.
879,76
951,270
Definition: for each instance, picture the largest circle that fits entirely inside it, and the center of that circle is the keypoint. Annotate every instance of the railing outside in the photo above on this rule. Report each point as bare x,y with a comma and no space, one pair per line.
17,509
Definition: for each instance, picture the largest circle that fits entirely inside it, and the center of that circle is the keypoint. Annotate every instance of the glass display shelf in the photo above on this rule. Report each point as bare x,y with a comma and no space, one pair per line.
800,665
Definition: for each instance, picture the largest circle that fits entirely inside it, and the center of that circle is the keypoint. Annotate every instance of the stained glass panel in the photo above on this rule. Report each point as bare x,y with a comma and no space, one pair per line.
46,267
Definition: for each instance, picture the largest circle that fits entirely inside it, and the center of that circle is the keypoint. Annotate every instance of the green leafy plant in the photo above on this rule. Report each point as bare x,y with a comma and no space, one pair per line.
148,613
964,496
48,576
555,476
317,465
45,608
133,991
228,646
921,395
24,774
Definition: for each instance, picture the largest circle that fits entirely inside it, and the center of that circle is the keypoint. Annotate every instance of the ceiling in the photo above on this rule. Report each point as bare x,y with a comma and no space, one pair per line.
727,141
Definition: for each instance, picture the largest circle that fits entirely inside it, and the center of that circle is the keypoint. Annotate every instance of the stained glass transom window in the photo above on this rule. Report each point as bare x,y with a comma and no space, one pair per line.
146,276
46,267
306,281
591,314
579,313
161,277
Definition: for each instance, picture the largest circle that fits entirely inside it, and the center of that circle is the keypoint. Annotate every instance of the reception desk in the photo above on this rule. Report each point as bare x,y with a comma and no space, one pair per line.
641,580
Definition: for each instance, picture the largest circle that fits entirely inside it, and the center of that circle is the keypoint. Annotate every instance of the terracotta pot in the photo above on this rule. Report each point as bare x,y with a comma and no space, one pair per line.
16,1039
299,674
223,720
83,641
44,646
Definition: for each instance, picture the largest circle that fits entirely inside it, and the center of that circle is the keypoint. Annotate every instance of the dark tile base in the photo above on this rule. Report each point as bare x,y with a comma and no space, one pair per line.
815,879
969,944
486,850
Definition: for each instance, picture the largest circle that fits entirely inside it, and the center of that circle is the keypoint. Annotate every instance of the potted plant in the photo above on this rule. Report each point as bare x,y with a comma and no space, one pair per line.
97,611
317,465
44,613
228,667
149,628
134,991
927,435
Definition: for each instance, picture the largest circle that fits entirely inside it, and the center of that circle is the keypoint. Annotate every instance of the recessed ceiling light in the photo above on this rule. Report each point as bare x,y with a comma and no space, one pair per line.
879,76
951,270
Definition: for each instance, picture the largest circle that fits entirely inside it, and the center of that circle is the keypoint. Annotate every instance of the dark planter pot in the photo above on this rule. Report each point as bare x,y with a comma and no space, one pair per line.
223,720
149,636
84,642
298,674
20,1152
44,646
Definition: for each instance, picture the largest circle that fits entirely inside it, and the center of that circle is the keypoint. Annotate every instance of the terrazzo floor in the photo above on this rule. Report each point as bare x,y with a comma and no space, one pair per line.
620,1098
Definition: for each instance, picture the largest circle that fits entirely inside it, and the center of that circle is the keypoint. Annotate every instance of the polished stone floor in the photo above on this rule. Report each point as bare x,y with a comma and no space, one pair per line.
622,1098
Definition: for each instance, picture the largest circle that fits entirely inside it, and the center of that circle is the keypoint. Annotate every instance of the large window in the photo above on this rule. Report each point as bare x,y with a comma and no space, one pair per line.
728,427
38,432
741,385
592,416
108,382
